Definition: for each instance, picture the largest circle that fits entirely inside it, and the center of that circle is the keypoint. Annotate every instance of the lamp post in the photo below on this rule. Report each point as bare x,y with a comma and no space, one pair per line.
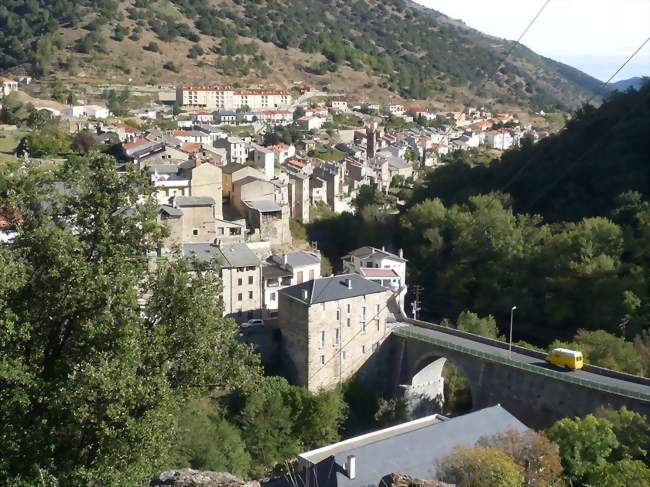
512,314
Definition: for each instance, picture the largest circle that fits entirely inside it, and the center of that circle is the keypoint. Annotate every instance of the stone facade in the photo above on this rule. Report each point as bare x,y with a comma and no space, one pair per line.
329,342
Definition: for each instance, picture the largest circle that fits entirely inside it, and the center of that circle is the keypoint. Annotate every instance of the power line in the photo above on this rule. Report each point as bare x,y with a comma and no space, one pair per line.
516,43
570,166
618,70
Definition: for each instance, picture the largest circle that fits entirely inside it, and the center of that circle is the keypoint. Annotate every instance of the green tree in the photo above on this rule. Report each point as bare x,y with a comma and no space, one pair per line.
472,323
632,432
479,467
91,377
84,142
208,441
14,111
266,423
368,196
623,473
46,142
39,118
583,444
606,350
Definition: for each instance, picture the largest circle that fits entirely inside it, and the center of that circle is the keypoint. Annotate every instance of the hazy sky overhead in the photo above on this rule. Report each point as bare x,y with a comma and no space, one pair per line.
596,36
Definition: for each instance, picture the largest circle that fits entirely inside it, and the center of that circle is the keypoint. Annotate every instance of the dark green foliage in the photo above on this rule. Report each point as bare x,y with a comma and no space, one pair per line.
117,101
90,381
253,430
607,449
152,46
577,173
408,51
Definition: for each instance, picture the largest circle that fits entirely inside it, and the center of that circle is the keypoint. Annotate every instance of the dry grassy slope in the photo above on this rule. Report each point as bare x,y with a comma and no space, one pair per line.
128,61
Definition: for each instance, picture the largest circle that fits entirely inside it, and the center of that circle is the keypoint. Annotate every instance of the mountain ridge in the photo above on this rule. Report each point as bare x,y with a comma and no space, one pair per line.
383,49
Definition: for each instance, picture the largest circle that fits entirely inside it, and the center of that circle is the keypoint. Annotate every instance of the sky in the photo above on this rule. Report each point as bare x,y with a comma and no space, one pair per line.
595,36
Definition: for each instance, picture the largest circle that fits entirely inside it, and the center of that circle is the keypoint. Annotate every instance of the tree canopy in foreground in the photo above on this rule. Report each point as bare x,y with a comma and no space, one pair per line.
92,376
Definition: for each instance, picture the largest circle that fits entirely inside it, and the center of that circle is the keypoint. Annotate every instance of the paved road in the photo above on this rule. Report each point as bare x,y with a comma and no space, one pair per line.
486,348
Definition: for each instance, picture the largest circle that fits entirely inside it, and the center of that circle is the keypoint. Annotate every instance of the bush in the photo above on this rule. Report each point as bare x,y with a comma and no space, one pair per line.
152,46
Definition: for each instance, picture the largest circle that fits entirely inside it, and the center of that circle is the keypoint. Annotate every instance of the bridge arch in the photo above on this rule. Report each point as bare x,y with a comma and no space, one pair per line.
427,391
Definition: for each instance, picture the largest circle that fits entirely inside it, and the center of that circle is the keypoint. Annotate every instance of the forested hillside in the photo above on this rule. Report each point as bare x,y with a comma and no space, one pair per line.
579,172
559,229
393,45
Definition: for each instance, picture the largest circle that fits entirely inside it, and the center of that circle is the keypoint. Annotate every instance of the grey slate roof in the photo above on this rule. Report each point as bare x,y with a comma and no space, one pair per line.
236,255
367,251
171,211
299,258
246,180
203,252
263,206
231,167
184,201
333,289
270,271
411,448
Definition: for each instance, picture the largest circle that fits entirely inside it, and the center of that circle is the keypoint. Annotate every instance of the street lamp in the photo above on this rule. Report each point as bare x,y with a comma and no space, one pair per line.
512,314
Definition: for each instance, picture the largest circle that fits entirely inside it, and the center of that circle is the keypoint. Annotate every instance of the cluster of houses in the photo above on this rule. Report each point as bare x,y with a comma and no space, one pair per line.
228,202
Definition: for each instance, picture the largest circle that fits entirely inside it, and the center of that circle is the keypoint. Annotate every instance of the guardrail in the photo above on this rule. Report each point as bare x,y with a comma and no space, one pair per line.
407,333
614,374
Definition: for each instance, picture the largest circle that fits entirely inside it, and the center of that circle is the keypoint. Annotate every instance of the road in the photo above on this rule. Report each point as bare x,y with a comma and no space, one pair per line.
522,357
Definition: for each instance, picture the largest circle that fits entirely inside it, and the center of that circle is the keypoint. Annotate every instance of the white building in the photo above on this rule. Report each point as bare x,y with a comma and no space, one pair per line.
284,270
226,98
86,111
340,106
499,139
311,123
265,160
7,86
379,266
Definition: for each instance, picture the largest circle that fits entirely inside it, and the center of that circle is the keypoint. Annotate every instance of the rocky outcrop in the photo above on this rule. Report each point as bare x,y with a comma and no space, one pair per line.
402,480
186,477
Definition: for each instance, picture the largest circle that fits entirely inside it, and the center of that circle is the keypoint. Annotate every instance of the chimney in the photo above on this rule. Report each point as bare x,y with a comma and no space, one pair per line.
285,259
383,248
401,253
348,283
351,467
305,294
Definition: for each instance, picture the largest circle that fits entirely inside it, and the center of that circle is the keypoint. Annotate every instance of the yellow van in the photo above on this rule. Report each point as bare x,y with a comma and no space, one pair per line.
563,357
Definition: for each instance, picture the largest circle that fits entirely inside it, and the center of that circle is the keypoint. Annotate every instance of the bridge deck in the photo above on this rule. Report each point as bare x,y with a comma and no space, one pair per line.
522,360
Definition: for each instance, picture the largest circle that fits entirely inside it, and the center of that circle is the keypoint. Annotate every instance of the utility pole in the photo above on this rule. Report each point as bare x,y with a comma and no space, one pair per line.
416,303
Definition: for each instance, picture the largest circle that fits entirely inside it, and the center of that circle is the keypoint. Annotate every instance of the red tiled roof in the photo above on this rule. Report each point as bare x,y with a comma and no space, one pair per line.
192,147
182,133
6,80
127,128
136,143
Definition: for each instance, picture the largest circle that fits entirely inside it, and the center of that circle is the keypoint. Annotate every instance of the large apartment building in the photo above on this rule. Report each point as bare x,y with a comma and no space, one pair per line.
226,98
331,327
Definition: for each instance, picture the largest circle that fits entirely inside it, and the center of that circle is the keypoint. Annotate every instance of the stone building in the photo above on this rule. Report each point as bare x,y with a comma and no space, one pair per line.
331,327
241,276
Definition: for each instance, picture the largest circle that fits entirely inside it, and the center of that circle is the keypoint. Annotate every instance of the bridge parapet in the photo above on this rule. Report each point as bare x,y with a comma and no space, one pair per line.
493,357
527,351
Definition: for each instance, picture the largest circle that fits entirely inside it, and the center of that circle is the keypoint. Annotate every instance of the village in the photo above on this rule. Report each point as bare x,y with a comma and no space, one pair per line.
227,197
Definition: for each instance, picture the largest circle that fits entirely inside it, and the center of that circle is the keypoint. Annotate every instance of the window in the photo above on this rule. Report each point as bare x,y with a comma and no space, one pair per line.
338,315
343,355
363,349
240,281
220,231
322,340
336,337
322,359
195,231
250,294
250,279
363,327
300,277
239,297
375,346
349,322
250,268
272,296
349,307
311,275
